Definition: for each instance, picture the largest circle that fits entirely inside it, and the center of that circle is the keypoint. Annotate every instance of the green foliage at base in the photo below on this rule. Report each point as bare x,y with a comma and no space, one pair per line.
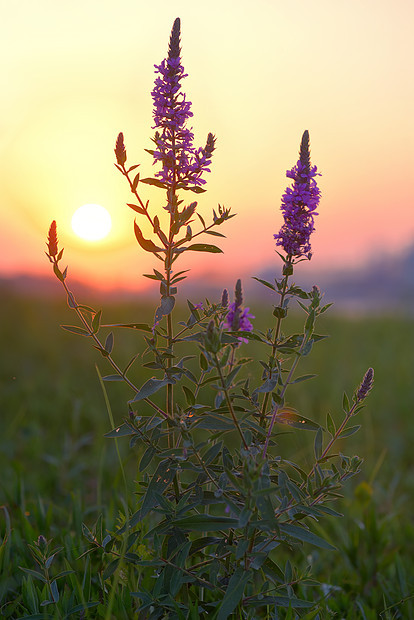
61,480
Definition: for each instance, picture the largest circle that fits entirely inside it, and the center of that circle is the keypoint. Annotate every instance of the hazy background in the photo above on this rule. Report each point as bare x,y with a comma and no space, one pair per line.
75,74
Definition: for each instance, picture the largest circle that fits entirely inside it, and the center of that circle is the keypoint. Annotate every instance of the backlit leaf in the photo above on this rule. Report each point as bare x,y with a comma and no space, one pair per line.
293,418
205,247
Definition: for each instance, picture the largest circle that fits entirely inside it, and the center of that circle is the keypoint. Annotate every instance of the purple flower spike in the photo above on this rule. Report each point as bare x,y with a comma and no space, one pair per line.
299,204
237,319
182,164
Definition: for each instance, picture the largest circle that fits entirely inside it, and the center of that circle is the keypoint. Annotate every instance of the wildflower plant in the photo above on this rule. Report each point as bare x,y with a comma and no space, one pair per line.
218,506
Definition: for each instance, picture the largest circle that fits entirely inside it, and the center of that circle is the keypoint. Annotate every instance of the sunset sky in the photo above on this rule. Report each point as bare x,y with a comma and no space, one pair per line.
75,74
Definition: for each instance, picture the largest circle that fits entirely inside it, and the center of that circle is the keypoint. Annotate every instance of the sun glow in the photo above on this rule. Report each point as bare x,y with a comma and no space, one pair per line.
91,222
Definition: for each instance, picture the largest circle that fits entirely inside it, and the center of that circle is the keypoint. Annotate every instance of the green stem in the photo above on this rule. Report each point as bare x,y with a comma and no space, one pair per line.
228,401
275,340
282,392
333,439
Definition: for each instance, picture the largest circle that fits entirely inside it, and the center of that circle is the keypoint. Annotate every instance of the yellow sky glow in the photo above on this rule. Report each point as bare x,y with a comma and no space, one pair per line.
75,74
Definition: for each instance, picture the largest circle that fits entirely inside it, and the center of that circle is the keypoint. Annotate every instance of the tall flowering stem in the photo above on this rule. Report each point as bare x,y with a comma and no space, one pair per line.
350,411
182,168
182,165
299,203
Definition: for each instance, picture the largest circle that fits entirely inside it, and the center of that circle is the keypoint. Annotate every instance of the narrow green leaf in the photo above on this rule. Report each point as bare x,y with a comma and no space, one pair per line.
34,573
189,396
244,516
203,362
345,403
302,378
214,233
64,573
318,444
49,560
291,417
349,431
304,535
268,386
135,182
146,244
214,422
196,189
76,330
106,540
121,431
71,301
139,326
212,453
61,276
96,323
110,569
205,247
146,458
150,387
280,601
136,208
265,283
201,543
109,343
330,424
159,482
87,533
288,572
206,523
113,378
154,182
55,591
233,594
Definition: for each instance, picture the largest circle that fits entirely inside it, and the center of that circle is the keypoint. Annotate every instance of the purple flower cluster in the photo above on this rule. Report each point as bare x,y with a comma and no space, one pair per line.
182,164
237,319
299,204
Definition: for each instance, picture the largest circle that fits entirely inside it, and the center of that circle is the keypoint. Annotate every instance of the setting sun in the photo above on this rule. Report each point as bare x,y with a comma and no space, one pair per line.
91,222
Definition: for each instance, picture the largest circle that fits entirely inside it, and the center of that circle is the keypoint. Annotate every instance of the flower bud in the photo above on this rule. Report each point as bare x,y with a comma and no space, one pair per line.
52,241
366,385
212,338
119,150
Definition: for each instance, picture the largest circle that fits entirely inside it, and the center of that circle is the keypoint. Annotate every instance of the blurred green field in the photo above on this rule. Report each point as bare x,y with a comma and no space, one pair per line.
57,470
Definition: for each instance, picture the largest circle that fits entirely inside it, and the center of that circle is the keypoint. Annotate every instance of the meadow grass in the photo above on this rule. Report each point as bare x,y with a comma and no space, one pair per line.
58,471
